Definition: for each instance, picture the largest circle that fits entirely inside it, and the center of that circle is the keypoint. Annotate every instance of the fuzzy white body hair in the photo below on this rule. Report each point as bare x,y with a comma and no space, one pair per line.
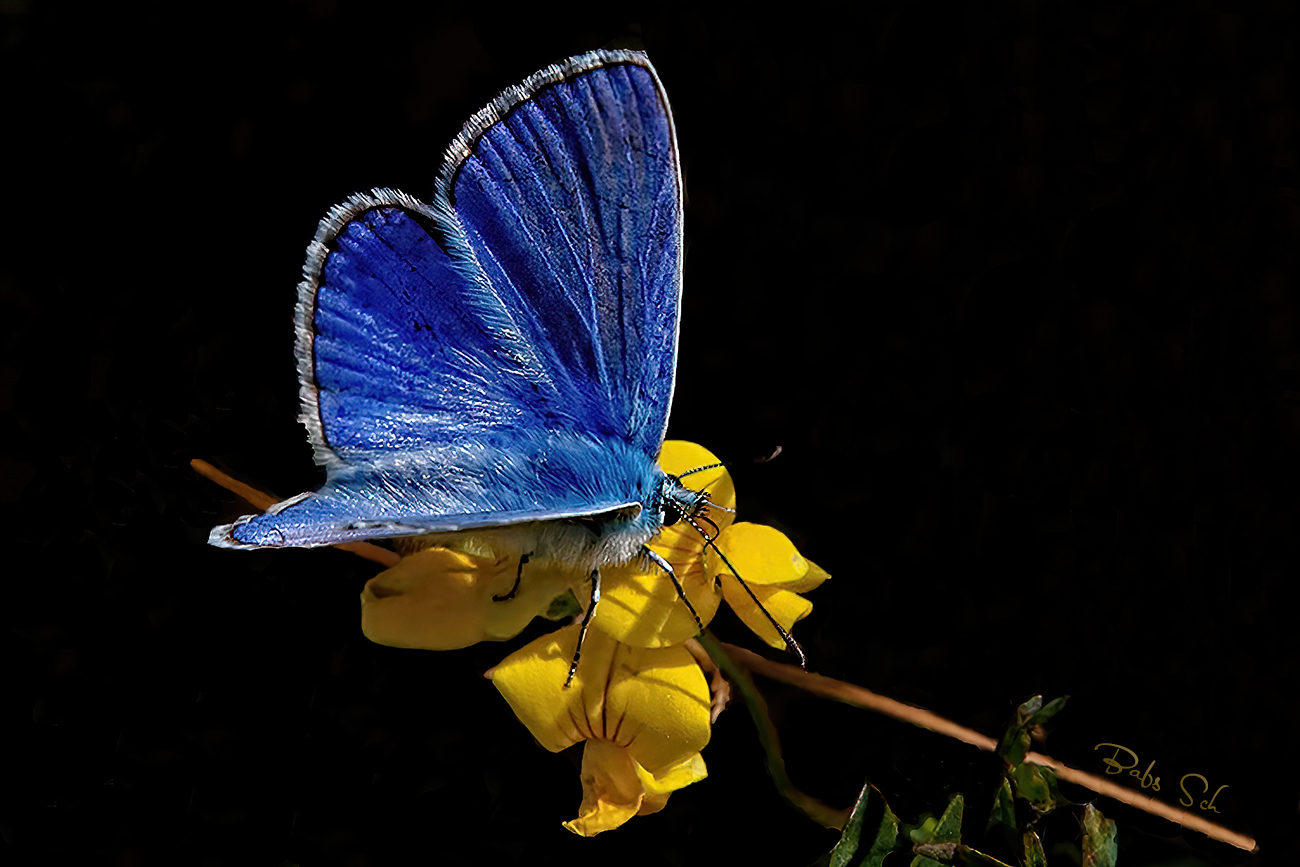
584,546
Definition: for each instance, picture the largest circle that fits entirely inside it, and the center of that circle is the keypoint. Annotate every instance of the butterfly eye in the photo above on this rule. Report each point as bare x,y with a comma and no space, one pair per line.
676,501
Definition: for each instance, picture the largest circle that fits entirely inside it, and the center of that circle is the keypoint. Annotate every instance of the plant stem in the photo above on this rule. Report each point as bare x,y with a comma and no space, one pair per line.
867,700
819,812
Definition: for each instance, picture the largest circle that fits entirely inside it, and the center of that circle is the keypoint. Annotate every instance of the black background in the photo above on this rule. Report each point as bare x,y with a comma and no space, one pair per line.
1012,284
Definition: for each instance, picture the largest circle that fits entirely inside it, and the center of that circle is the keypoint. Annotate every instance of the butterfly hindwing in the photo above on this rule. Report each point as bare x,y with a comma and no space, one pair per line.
507,353
400,352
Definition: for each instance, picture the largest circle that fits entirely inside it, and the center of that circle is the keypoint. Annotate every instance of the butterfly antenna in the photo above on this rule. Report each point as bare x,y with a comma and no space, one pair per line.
713,505
701,469
765,460
723,464
790,643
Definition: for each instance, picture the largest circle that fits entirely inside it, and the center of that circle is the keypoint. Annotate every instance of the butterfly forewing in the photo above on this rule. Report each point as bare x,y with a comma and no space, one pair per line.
505,354
571,205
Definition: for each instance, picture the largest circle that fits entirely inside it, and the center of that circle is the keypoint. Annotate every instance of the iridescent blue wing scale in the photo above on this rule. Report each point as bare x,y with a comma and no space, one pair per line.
507,353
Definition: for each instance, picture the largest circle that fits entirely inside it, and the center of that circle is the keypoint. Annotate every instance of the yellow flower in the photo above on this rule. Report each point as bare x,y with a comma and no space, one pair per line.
639,699
639,604
438,599
774,571
643,712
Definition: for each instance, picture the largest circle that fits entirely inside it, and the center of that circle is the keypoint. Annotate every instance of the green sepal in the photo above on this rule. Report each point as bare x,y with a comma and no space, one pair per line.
923,830
563,607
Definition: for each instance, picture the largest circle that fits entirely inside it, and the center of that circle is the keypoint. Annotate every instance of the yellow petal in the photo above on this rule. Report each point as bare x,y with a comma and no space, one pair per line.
689,770
811,581
656,702
658,706
611,789
653,803
679,456
532,681
784,606
641,606
439,599
760,554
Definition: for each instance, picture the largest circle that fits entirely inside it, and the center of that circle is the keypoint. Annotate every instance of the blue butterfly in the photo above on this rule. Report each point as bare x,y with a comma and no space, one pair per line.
502,361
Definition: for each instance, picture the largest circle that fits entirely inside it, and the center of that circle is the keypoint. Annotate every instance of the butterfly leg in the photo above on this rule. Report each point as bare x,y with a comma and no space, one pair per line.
519,576
582,630
681,591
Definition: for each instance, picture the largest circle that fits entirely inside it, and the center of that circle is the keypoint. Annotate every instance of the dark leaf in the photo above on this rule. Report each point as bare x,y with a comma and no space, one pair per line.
1034,855
1004,808
876,827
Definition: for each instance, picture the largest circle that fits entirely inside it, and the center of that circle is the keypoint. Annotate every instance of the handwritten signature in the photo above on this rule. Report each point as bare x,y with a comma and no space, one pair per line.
1152,782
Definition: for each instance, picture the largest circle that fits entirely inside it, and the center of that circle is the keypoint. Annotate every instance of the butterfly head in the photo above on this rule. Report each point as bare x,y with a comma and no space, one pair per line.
676,501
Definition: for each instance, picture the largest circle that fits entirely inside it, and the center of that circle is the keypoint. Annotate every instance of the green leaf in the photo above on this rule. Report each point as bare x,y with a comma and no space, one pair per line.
1034,854
1053,784
1014,745
878,831
1099,846
937,851
1053,707
949,830
1027,710
1004,807
1035,786
1015,740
